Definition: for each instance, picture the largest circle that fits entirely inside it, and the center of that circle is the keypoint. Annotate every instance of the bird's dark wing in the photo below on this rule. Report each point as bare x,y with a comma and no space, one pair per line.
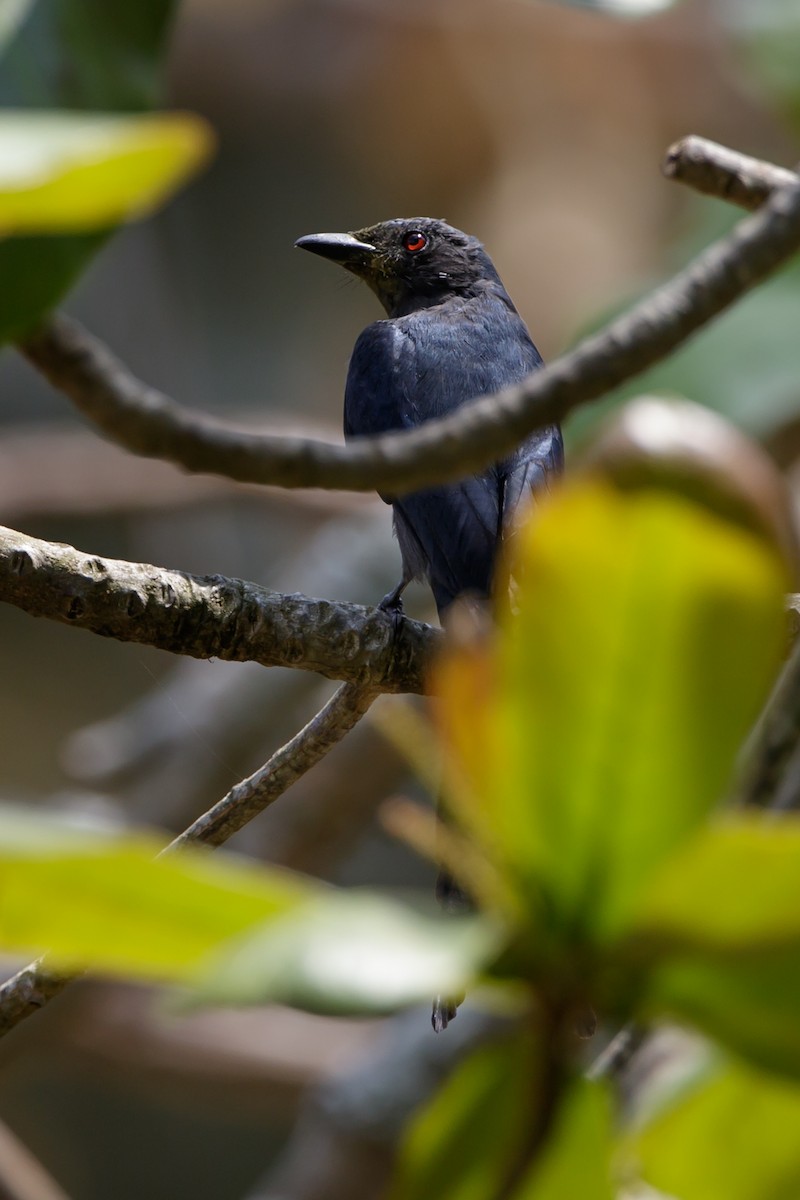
405,372
532,469
448,533
381,379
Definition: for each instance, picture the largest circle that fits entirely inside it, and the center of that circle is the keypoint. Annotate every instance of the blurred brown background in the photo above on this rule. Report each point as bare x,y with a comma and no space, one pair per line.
537,126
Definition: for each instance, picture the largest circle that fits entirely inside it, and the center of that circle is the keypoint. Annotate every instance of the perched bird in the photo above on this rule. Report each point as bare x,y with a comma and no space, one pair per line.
451,334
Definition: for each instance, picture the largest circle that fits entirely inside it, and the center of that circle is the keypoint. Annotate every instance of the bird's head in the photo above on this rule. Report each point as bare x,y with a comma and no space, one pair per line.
409,263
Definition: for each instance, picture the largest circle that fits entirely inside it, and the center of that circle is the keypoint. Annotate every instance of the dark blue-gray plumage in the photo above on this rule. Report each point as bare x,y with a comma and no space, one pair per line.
452,334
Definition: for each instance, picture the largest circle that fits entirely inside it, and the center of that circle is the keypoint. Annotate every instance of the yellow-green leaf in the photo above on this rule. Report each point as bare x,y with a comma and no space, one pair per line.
607,715
476,1138
716,940
107,903
349,952
464,1144
732,1138
576,1160
74,172
90,56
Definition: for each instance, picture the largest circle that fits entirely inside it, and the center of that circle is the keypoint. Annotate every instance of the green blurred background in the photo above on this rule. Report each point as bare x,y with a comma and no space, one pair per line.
538,126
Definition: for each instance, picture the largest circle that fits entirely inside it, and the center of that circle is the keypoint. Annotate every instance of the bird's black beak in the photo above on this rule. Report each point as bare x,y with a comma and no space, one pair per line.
339,247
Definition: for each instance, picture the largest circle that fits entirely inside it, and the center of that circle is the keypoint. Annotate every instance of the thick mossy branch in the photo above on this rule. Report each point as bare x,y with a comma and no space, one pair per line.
212,616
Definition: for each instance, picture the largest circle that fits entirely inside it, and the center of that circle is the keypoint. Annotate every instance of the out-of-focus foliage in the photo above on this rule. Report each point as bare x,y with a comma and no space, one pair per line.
470,1143
81,55
768,41
643,638
746,364
732,969
349,952
12,14
589,741
478,1120
84,54
732,1137
62,173
589,737
108,902
577,1159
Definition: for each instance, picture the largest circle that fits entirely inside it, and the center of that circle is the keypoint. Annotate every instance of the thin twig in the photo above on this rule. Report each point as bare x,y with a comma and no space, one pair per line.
212,616
31,988
718,171
776,737
26,992
252,795
481,432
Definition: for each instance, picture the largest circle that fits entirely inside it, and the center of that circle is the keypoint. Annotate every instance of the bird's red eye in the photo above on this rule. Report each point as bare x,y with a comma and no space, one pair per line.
415,241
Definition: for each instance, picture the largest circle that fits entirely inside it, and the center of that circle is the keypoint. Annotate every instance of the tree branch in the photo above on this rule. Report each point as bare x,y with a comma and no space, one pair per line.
27,991
252,795
31,988
479,433
774,742
211,616
717,171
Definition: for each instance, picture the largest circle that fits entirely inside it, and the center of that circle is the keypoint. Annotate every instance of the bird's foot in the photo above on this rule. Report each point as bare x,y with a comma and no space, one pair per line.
393,601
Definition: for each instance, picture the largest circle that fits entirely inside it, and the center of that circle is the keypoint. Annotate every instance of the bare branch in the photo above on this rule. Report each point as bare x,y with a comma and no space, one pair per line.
27,991
31,988
212,616
775,740
479,433
252,795
718,171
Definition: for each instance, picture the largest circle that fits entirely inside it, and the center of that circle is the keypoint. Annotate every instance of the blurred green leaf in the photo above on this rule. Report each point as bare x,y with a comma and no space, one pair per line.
107,903
85,54
12,14
576,1161
470,1142
462,1145
734,886
734,1137
720,927
746,364
61,172
349,952
602,728
75,54
766,43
